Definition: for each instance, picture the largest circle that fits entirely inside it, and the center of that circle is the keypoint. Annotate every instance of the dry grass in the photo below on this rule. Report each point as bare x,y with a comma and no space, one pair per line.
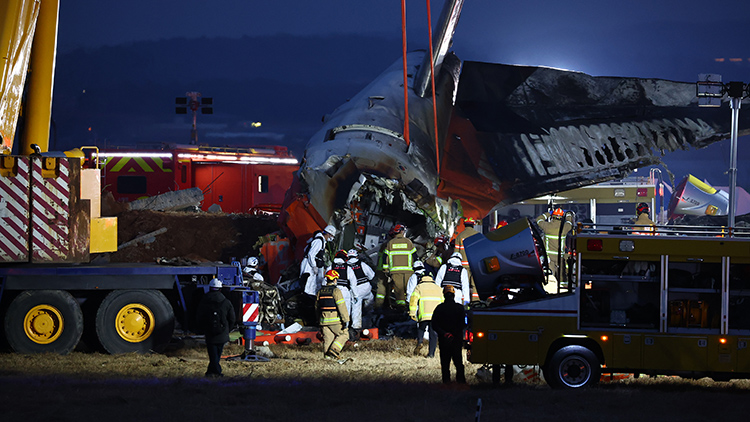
383,382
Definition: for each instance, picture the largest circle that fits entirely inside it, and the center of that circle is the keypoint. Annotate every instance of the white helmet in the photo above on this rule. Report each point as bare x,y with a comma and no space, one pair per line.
418,267
352,253
248,270
330,230
457,255
252,261
215,283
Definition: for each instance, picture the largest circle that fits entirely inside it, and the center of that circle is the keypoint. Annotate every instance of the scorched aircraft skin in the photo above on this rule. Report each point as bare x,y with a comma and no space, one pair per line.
505,133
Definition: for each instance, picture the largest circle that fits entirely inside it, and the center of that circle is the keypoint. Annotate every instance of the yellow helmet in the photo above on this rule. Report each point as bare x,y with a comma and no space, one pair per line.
332,276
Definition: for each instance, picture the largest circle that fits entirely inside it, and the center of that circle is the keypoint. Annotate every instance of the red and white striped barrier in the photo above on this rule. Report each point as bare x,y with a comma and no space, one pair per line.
14,213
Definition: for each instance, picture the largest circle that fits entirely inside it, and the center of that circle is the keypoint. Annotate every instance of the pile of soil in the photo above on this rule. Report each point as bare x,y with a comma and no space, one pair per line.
190,235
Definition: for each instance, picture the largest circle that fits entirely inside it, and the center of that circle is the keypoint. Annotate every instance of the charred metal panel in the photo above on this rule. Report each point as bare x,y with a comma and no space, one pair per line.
545,130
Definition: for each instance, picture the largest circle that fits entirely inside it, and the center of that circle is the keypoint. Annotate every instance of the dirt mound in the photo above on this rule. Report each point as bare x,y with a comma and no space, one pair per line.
195,236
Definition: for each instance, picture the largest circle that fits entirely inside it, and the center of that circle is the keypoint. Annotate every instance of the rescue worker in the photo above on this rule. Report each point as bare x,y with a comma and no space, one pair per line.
333,316
250,270
313,264
360,277
643,220
452,273
419,272
555,230
216,317
384,285
422,303
438,255
400,254
342,268
468,232
449,321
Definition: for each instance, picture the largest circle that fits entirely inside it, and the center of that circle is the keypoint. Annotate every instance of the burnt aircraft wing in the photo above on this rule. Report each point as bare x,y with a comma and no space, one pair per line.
518,132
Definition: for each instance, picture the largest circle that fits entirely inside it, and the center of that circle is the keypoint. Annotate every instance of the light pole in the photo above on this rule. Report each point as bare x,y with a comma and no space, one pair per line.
710,90
205,104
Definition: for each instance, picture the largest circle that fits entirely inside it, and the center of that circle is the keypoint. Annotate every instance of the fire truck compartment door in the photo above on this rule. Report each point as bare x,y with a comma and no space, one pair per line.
513,347
676,353
626,351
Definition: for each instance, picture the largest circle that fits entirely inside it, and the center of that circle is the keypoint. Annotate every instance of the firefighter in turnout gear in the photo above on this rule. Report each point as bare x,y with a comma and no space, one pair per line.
313,264
360,278
468,232
555,230
438,255
422,303
384,285
400,254
334,317
452,273
642,211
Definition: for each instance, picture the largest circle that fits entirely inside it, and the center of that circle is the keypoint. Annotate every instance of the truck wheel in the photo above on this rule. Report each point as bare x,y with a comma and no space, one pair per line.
44,321
572,367
140,321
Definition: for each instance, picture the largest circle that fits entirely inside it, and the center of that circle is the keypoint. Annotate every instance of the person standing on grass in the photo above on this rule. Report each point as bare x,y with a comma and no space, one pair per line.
449,321
422,303
334,317
215,317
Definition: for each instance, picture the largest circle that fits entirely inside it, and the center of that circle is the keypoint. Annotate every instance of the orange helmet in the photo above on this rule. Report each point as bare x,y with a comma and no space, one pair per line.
502,223
469,221
440,239
341,254
641,208
332,276
558,212
449,289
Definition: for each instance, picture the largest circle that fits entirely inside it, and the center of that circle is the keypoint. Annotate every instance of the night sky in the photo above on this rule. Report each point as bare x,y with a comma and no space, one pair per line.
667,39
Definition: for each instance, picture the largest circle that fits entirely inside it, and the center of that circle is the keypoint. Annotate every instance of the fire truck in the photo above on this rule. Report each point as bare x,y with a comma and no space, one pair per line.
238,179
673,301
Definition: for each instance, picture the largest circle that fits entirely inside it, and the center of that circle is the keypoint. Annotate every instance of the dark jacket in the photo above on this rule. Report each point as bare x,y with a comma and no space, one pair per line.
449,317
214,300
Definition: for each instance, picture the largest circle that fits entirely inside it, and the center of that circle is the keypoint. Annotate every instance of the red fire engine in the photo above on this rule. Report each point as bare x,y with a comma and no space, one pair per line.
238,179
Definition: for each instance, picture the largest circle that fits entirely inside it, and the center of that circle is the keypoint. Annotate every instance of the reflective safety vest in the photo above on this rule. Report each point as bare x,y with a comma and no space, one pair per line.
341,269
359,272
399,255
452,276
331,306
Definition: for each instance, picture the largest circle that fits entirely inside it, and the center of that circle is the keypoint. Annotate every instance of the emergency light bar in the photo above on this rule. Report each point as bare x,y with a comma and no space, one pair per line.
243,160
136,154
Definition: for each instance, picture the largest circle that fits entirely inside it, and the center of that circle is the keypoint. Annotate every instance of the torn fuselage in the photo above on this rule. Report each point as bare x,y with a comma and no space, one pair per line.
361,169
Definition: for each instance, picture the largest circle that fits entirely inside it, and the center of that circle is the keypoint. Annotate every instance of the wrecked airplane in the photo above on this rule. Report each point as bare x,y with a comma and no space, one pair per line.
497,134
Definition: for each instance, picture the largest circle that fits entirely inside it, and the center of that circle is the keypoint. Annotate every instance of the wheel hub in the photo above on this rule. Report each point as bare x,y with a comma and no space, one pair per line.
43,324
134,322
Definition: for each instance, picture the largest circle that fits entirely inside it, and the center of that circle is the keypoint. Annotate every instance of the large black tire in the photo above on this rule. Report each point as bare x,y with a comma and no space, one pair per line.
44,321
573,367
140,321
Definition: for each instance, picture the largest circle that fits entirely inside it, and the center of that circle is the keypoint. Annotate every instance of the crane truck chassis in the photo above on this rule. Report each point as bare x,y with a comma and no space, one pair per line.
51,294
674,301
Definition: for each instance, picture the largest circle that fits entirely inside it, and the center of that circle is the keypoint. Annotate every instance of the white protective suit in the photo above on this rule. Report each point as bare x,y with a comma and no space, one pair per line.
341,285
462,294
309,265
364,300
